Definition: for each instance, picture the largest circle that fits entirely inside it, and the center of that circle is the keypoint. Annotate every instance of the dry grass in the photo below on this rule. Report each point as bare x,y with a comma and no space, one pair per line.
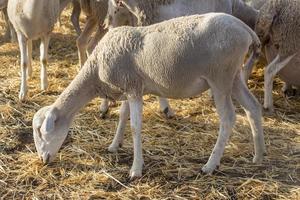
174,149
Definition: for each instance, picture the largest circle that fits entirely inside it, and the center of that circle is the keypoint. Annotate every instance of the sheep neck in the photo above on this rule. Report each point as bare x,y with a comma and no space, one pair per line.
80,91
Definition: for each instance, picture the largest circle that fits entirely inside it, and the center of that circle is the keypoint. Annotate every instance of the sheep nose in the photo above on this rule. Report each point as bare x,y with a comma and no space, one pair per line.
46,158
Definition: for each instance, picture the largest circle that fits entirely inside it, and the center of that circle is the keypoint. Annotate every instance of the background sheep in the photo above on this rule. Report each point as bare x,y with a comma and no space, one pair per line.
75,13
188,62
95,12
278,27
10,33
33,19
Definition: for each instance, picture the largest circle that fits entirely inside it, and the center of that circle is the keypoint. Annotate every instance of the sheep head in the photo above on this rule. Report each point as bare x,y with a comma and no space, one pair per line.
49,132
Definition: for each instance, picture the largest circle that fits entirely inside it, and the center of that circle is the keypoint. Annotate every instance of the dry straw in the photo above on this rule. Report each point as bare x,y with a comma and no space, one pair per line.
174,149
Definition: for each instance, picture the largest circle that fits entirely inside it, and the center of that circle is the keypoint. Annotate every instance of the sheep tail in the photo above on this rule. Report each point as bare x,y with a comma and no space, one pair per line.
254,52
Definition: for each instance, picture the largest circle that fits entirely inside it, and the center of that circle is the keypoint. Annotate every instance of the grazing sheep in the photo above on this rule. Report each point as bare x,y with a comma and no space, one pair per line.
10,33
33,19
75,13
278,27
150,12
179,58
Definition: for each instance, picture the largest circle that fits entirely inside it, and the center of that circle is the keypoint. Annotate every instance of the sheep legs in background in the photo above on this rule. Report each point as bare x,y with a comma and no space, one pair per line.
271,70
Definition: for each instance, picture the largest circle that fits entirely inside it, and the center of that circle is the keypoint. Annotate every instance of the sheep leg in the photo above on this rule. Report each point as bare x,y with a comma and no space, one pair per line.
253,110
225,110
44,61
165,107
29,53
249,66
119,136
24,62
82,40
271,70
75,16
136,109
97,37
10,33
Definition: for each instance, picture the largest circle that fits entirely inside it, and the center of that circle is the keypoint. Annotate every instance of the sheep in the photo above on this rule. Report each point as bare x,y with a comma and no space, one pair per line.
96,12
179,58
150,12
278,27
32,20
75,13
10,33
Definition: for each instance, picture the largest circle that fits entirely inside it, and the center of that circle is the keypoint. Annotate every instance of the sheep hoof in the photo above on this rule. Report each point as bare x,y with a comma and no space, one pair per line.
135,173
258,159
22,96
103,114
114,148
290,92
206,169
169,113
269,111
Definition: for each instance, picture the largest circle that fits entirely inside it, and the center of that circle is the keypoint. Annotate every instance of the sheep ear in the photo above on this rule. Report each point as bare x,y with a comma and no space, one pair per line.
49,122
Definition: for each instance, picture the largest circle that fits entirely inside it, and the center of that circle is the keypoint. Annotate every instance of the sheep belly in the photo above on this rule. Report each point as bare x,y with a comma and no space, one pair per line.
186,89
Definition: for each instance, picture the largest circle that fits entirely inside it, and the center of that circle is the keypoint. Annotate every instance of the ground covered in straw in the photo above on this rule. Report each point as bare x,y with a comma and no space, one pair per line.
174,149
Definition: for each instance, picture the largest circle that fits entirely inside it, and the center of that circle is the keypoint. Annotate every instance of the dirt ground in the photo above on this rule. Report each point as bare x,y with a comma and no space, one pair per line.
174,149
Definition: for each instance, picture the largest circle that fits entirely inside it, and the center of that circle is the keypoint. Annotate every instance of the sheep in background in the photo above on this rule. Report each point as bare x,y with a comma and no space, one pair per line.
10,33
95,12
257,4
75,13
33,19
278,27
179,58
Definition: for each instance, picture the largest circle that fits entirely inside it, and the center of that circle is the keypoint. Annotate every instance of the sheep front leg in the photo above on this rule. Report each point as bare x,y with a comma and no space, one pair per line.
253,110
271,70
226,113
24,62
119,136
29,53
136,109
44,61
165,107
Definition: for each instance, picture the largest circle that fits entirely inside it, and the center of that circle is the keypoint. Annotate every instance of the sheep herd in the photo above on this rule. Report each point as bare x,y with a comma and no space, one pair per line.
168,48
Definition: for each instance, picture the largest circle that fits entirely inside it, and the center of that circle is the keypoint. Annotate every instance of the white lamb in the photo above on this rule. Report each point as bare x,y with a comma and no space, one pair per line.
179,58
149,12
33,19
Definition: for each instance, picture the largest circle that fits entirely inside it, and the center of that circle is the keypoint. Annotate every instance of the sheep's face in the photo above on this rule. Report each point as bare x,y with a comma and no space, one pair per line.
49,132
118,15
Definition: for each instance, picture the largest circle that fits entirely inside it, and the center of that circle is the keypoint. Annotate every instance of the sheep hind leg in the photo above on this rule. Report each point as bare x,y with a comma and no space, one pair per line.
225,110
24,62
254,114
136,109
165,107
119,136
75,16
100,32
44,61
83,39
271,70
